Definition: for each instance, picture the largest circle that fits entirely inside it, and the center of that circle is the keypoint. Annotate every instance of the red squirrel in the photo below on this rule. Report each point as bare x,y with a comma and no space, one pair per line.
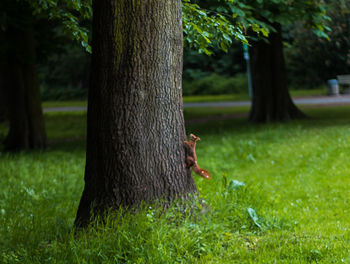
191,157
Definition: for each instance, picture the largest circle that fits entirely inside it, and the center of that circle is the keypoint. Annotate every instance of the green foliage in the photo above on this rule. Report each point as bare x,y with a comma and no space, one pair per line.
312,60
61,93
210,24
214,84
284,12
213,74
206,24
203,28
70,13
217,25
64,75
196,66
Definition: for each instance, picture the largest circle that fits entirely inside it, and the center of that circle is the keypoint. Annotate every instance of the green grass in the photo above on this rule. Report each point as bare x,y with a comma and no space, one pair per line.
296,179
313,92
215,98
197,113
245,97
197,98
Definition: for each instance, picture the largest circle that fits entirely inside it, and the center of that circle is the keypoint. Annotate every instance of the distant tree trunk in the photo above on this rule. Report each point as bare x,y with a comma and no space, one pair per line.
136,133
27,130
3,98
271,98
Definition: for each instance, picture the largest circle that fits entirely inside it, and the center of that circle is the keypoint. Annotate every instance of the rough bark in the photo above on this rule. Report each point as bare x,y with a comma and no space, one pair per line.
271,99
136,133
27,130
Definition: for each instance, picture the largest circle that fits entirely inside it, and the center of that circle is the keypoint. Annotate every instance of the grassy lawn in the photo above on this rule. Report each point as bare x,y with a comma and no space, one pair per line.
245,97
215,98
280,193
313,92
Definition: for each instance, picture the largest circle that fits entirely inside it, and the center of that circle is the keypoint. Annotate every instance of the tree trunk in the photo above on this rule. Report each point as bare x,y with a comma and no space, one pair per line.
3,98
27,130
136,133
271,98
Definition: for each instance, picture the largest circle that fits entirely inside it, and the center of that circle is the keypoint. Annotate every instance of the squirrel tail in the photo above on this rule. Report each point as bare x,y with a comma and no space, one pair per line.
201,172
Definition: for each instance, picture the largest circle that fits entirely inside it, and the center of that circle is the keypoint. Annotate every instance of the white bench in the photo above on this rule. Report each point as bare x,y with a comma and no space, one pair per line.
344,81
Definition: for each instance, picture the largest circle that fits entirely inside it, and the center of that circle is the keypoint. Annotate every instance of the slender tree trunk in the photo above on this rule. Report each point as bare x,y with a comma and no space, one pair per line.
271,98
27,130
136,133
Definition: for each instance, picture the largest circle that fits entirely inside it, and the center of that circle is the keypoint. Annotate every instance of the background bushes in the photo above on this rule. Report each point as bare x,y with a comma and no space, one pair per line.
310,62
216,84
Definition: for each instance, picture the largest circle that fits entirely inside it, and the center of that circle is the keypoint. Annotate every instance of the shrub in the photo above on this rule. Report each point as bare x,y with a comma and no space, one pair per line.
216,84
62,93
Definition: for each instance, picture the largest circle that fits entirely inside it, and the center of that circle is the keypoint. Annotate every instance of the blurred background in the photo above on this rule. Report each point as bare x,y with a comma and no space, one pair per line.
310,62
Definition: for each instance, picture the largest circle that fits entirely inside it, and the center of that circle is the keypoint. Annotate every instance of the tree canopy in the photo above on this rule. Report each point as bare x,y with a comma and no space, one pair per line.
70,13
206,24
216,23
203,28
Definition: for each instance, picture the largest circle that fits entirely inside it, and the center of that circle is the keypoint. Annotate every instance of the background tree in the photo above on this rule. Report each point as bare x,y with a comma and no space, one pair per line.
3,99
21,22
271,99
21,84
